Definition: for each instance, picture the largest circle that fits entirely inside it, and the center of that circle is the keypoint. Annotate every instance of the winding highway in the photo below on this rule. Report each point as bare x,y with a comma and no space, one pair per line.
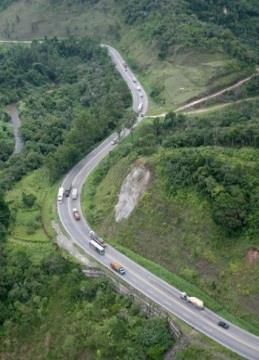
205,321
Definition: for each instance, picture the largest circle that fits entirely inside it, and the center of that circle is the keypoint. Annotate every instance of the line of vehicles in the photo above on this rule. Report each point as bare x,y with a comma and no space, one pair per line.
95,242
140,106
98,244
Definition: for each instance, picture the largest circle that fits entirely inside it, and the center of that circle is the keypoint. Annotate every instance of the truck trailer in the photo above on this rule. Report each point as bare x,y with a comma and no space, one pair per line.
192,300
117,267
60,194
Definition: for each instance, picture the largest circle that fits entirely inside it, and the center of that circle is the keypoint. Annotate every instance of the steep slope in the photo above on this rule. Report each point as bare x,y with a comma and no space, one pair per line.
170,45
198,217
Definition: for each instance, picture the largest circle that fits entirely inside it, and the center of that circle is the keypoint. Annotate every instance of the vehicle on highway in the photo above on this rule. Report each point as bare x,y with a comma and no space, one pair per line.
140,107
67,190
138,88
114,141
74,193
134,80
117,267
223,324
95,237
97,247
192,300
141,95
76,214
142,114
60,194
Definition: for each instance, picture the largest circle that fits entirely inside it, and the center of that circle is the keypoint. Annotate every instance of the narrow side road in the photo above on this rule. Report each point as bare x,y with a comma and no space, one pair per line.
16,123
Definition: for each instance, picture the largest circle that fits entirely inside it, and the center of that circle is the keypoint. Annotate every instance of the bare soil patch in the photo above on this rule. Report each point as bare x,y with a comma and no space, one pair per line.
252,255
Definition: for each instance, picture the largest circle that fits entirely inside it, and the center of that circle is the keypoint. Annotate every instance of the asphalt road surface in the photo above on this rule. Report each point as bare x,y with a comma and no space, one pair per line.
235,338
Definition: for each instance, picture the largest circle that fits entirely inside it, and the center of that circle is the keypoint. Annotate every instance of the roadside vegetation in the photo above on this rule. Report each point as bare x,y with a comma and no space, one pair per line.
48,308
6,137
196,226
199,216
180,50
70,98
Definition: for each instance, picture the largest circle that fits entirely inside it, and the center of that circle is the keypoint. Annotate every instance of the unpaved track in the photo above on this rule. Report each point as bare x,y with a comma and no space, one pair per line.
16,123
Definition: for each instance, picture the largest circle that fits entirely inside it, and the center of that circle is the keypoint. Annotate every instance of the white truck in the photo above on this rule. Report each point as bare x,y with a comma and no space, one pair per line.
96,238
140,107
60,194
74,193
192,300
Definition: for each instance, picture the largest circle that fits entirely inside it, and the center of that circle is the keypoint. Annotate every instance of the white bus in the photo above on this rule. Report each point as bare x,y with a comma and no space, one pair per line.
60,194
93,244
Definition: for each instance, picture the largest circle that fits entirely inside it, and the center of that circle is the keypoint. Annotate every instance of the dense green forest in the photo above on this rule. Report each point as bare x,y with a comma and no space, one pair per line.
80,317
71,98
197,24
6,137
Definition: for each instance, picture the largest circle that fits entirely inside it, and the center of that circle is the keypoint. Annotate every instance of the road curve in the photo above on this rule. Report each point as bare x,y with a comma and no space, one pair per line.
16,123
167,296
235,338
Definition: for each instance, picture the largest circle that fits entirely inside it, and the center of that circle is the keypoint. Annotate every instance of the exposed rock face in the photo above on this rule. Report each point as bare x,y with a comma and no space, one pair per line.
133,186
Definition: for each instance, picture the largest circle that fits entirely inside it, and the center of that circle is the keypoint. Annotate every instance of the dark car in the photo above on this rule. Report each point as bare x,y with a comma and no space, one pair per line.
67,190
223,324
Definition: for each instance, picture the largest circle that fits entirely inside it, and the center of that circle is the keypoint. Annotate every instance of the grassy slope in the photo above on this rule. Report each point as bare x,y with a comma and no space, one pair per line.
181,77
179,234
38,243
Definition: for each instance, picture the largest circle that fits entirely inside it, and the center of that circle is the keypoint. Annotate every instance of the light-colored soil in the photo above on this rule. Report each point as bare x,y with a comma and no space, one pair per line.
133,186
252,255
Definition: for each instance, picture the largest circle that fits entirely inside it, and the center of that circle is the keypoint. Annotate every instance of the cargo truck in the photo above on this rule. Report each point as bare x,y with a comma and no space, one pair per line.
98,248
117,267
60,194
96,238
140,107
192,300
74,194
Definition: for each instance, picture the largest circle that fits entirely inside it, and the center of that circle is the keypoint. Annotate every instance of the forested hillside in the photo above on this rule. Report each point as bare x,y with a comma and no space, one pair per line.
196,226
180,49
199,215
70,98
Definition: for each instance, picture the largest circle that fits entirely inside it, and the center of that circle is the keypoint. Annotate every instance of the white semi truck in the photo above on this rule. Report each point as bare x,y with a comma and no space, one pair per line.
60,194
192,300
140,107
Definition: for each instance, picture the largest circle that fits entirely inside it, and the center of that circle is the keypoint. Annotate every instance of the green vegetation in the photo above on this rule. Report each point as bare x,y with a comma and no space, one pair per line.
199,216
6,137
71,98
31,203
176,54
98,322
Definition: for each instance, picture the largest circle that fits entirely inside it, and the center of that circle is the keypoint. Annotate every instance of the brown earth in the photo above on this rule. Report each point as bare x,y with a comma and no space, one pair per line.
252,255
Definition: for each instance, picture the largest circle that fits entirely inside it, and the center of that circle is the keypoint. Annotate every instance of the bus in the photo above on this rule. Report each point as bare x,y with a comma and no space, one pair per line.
93,244
60,194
